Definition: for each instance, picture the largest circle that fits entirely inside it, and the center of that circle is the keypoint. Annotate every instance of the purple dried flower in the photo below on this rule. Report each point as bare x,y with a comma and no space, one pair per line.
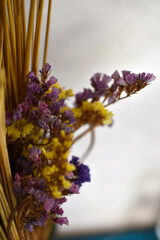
24,106
43,122
29,225
82,172
147,77
37,183
34,155
122,82
49,204
131,78
75,161
32,76
60,201
41,221
46,68
70,116
17,115
34,88
82,96
74,188
56,106
112,97
40,196
59,211
49,83
61,221
53,95
42,105
100,81
125,73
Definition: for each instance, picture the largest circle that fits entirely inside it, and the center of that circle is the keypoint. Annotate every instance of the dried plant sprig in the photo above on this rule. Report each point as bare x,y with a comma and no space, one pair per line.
40,133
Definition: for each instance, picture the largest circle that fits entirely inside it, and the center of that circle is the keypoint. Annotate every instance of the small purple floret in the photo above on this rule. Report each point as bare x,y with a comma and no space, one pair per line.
62,220
82,172
34,155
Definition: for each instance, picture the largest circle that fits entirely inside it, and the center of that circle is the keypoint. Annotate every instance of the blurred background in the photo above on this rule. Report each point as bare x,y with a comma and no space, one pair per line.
89,36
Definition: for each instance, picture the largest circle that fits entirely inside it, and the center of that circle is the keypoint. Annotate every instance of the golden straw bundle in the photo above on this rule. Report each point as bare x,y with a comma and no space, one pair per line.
19,49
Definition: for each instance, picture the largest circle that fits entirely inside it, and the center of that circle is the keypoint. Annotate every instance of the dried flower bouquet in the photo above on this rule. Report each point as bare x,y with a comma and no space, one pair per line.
38,125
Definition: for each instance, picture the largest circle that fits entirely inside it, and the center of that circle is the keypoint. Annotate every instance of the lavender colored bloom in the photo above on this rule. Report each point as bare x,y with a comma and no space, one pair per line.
66,128
29,226
146,77
56,106
122,82
43,125
74,188
82,96
70,116
34,155
131,78
125,73
37,183
31,98
34,88
116,75
41,221
24,106
53,95
100,81
46,111
49,204
43,122
46,68
61,221
112,97
59,211
17,115
49,83
40,196
42,105
116,78
32,76
82,172
60,201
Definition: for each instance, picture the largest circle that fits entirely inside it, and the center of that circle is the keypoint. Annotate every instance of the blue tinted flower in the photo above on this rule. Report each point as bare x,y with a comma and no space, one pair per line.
82,172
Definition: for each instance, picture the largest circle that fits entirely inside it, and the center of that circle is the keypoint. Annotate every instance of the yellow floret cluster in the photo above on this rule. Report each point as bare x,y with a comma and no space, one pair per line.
57,153
93,112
